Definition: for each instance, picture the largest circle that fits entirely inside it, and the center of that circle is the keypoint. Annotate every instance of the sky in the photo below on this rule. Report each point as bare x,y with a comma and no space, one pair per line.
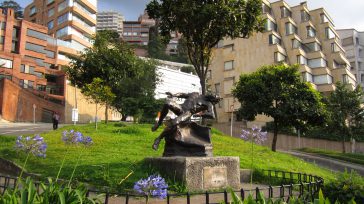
345,13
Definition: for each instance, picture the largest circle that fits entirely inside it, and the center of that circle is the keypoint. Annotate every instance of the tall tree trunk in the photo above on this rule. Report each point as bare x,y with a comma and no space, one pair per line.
96,117
106,113
203,86
274,142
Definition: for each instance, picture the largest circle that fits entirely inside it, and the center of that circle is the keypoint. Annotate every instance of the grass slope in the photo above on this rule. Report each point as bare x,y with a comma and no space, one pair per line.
347,157
119,149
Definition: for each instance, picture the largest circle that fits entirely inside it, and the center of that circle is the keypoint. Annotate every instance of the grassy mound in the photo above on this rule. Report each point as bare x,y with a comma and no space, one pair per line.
118,152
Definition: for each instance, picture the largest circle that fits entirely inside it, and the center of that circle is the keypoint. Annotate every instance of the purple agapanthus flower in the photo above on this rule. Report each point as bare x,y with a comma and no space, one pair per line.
154,186
75,137
34,145
255,134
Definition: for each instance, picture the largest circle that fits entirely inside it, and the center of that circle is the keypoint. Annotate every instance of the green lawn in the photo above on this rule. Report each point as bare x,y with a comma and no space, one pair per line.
348,157
119,150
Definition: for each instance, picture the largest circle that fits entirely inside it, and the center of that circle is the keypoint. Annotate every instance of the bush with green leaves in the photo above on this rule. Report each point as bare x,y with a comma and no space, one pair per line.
348,186
51,192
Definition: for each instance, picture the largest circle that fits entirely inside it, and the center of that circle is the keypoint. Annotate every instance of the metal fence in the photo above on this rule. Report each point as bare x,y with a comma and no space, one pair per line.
292,184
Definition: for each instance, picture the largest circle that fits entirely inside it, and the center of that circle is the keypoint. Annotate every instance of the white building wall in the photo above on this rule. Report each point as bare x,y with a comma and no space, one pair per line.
175,81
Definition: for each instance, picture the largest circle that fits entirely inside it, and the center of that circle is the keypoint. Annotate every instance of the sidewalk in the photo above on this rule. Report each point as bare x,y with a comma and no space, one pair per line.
329,163
8,128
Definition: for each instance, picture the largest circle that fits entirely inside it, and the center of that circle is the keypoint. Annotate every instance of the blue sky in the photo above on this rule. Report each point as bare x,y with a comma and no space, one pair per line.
346,14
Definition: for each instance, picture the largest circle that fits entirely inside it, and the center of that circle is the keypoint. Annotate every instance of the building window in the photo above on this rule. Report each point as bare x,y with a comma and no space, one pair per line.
2,38
218,93
322,79
22,68
5,63
229,47
266,8
61,32
50,1
62,6
36,34
329,33
49,54
335,47
50,12
34,47
50,25
274,40
324,18
2,25
33,10
301,60
312,47
317,63
15,40
62,19
285,12
270,25
229,65
296,44
307,77
362,77
279,57
311,32
305,16
290,29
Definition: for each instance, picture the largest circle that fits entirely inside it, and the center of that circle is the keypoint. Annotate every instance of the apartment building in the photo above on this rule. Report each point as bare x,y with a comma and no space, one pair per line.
137,32
353,43
292,35
73,21
110,20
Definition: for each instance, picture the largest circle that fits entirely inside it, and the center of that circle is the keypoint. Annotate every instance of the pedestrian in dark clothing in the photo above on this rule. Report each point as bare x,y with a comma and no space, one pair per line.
55,120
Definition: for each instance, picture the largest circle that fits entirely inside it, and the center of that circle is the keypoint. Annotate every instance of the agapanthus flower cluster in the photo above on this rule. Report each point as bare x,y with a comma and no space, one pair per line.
255,134
34,145
154,186
75,137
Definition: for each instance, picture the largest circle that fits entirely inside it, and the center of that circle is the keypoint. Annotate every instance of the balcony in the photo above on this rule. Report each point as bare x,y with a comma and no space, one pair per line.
90,5
91,18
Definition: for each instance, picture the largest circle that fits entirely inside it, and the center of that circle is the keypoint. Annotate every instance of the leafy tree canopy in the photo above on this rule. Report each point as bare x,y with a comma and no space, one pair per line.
277,91
204,23
115,63
14,5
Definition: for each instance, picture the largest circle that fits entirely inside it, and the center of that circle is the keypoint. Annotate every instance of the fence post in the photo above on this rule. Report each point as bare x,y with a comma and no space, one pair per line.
167,198
242,194
107,198
127,198
226,196
281,191
256,193
188,198
270,192
207,197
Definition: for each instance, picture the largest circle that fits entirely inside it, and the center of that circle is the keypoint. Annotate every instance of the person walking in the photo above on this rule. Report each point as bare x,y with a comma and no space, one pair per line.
55,120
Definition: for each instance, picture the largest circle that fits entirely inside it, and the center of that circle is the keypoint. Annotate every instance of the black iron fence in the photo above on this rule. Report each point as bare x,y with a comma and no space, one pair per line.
292,185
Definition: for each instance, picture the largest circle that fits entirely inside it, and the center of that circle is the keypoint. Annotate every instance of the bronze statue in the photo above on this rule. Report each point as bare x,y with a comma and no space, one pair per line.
183,137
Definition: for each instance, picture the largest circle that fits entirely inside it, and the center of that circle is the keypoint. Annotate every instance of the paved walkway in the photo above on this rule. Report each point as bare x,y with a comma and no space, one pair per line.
7,128
329,163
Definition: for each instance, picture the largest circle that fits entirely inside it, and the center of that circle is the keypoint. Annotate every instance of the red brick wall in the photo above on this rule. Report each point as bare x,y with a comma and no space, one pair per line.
17,104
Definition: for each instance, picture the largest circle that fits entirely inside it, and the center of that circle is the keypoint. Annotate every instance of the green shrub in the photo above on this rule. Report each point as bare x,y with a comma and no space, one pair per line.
348,186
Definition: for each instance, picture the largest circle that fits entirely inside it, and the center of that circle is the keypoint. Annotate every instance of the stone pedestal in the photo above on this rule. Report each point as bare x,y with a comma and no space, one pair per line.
200,173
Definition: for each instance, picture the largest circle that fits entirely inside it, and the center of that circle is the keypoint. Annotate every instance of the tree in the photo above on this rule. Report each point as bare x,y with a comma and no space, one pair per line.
14,5
204,23
188,69
115,63
156,47
345,110
98,93
276,91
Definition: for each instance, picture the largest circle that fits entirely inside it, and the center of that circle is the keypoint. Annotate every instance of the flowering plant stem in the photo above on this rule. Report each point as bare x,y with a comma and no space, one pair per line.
74,169
252,170
22,170
60,168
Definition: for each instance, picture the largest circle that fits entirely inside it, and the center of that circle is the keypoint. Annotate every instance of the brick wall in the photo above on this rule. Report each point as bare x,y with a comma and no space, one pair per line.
17,104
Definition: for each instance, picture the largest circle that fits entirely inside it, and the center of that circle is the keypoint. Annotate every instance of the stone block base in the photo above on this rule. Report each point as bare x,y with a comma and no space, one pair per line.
200,173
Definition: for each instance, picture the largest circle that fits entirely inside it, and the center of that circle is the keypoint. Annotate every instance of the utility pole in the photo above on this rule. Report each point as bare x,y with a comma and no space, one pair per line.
232,119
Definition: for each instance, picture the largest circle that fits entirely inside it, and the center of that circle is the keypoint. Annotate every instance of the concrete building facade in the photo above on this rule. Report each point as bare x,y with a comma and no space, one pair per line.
353,43
110,20
137,32
73,21
292,35
174,80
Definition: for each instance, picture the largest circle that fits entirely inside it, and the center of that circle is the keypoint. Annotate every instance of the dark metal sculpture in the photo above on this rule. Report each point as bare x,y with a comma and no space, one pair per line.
184,137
